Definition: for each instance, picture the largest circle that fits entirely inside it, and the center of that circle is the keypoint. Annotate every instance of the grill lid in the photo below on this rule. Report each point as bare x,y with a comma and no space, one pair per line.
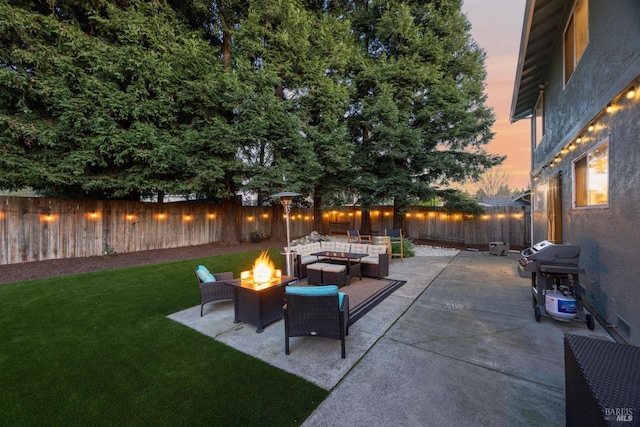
547,253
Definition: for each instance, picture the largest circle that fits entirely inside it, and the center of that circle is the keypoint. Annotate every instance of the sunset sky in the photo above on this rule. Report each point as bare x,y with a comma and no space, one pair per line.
497,28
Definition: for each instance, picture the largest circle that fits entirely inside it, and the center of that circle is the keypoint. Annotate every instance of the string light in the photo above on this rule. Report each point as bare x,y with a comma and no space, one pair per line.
632,92
609,108
417,216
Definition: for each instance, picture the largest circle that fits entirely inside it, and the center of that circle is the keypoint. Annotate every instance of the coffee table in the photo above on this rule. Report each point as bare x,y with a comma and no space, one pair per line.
259,304
353,261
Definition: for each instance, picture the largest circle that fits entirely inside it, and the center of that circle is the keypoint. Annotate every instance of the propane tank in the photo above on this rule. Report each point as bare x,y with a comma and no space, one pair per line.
561,305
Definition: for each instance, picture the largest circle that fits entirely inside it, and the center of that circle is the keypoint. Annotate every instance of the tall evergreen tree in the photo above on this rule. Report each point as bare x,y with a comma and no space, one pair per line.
306,52
109,101
419,117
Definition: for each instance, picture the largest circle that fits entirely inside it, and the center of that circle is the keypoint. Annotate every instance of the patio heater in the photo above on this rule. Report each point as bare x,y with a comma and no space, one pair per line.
285,199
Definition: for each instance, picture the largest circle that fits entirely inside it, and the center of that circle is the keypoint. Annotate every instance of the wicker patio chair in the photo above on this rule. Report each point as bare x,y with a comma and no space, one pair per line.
316,315
215,291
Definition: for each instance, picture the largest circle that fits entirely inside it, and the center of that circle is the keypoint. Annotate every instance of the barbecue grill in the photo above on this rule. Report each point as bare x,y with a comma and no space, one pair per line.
554,281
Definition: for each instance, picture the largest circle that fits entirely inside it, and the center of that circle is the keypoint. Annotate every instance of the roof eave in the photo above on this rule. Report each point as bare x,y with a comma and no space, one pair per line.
541,28
524,40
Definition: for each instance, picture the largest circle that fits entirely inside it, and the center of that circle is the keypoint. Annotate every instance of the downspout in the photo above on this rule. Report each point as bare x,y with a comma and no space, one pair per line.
533,194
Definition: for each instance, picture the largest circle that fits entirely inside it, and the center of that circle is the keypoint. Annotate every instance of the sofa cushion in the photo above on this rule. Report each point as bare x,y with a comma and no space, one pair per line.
359,248
370,259
342,247
377,249
334,268
317,266
315,290
204,275
306,250
308,259
328,246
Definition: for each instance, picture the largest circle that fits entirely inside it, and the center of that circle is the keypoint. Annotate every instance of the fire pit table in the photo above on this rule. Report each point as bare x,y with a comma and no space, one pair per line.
259,303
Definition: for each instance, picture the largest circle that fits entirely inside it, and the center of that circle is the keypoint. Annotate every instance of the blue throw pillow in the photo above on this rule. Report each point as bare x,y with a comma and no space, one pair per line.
315,290
204,275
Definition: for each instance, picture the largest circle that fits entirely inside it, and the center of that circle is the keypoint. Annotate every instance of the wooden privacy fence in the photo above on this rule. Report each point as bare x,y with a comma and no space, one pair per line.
511,224
35,228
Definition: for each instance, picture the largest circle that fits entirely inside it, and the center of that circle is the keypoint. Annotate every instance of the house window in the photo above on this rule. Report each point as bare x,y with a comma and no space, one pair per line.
539,119
591,177
576,37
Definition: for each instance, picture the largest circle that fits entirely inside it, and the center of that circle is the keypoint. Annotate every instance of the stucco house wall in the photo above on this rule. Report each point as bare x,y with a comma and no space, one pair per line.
609,236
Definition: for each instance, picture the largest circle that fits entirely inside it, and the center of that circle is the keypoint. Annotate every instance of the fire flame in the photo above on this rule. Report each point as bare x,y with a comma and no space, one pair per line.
263,268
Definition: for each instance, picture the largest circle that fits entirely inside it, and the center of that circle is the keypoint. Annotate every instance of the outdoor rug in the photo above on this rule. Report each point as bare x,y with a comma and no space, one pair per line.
366,294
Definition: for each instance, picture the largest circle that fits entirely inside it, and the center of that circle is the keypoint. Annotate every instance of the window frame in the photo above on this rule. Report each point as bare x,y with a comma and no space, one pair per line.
573,45
577,171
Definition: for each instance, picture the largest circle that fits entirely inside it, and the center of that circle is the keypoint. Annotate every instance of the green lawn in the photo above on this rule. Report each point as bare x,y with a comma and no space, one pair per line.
96,349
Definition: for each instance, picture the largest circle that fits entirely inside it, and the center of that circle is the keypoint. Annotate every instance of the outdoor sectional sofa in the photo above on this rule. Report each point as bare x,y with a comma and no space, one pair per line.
375,264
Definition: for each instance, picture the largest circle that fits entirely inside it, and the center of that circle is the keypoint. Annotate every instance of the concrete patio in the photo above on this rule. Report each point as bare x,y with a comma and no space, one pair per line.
457,344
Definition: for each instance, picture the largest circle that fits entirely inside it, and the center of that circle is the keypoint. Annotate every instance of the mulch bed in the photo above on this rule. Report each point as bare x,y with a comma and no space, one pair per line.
11,273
